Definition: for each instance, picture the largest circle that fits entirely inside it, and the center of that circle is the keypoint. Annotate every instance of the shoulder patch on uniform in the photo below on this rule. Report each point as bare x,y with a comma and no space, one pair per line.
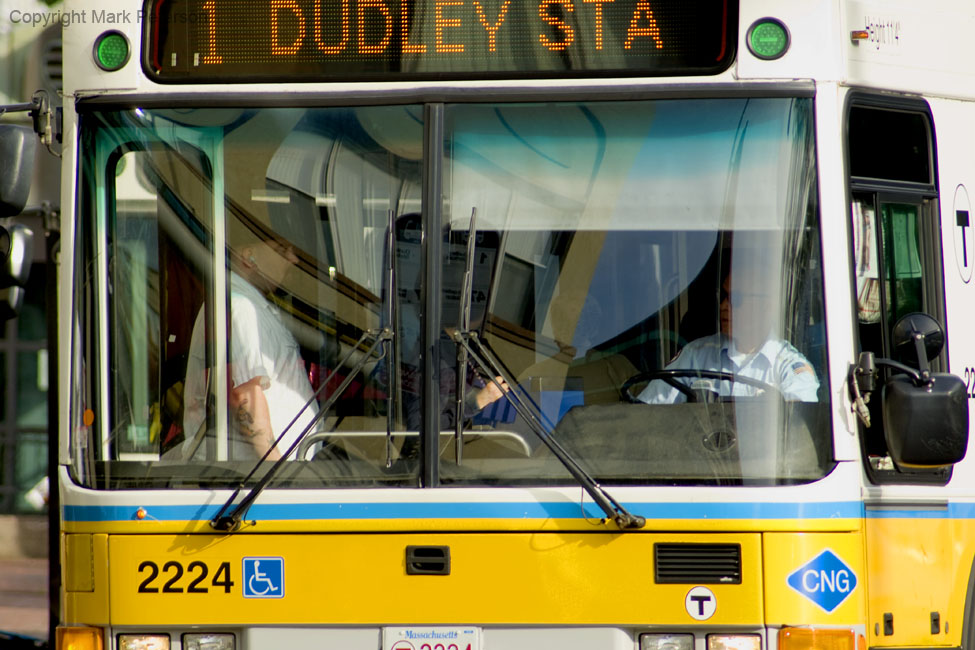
800,367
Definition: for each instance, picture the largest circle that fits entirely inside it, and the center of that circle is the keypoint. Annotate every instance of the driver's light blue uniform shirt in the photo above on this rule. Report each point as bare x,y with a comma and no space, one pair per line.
777,363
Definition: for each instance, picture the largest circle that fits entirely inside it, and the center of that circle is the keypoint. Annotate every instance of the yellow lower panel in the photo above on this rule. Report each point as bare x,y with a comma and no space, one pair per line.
919,569
515,578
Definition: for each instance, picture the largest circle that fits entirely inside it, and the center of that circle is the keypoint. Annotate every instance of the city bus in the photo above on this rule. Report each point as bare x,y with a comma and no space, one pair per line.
658,304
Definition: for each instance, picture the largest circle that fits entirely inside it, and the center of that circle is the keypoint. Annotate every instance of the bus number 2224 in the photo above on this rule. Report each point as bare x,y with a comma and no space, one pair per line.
171,577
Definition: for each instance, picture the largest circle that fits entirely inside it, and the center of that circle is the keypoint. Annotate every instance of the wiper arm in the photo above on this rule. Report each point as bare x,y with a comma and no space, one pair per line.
464,325
485,359
231,522
389,345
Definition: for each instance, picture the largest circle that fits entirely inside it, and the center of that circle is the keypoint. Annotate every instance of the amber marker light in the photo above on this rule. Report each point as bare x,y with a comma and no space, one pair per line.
80,638
811,638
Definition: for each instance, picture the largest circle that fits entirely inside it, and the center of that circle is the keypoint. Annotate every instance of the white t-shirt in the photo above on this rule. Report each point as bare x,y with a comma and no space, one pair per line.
260,346
777,363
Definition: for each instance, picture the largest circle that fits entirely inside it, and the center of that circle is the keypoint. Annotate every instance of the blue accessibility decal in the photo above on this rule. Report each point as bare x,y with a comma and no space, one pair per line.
826,580
263,577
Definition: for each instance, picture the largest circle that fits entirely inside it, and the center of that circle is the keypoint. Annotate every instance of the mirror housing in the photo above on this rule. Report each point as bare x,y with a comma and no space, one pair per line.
925,414
16,243
18,144
926,426
11,301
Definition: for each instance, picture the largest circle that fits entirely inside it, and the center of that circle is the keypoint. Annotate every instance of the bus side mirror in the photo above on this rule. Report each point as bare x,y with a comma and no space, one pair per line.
927,425
17,147
917,339
16,242
925,413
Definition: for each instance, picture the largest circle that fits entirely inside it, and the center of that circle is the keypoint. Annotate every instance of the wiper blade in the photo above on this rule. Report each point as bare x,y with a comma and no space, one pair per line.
232,521
464,325
527,409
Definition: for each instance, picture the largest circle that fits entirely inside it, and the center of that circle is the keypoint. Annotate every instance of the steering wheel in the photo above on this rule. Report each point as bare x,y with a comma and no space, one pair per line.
692,394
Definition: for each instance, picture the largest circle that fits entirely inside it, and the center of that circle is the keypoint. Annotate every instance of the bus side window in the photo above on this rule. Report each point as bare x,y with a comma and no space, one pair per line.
153,229
896,246
902,289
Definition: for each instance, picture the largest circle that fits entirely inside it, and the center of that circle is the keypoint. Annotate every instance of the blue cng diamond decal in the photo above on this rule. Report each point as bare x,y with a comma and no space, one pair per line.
826,580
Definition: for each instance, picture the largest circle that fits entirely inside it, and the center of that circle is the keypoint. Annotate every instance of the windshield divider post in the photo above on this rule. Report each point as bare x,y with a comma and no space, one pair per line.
431,254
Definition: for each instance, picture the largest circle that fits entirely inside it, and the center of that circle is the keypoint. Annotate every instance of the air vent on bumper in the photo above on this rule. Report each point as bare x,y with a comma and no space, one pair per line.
697,563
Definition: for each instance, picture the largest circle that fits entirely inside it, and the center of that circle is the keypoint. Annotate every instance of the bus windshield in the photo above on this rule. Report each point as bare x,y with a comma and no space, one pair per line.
639,282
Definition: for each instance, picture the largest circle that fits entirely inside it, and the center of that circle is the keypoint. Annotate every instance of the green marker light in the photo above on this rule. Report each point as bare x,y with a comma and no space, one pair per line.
111,51
767,39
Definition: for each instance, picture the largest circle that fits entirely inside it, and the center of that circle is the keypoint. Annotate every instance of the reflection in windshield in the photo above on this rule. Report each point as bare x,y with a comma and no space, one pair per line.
245,251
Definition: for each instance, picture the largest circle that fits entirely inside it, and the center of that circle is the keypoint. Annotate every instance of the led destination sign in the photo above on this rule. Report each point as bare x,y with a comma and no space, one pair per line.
191,41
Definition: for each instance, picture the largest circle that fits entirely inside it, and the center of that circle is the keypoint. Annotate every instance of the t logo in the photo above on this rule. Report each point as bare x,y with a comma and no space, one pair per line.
700,603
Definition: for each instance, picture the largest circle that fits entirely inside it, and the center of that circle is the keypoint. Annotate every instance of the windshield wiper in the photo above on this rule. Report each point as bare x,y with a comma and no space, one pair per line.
470,345
464,325
481,355
382,336
389,349
231,522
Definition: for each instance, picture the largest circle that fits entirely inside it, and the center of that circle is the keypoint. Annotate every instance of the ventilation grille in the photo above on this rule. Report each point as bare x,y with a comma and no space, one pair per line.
51,65
697,563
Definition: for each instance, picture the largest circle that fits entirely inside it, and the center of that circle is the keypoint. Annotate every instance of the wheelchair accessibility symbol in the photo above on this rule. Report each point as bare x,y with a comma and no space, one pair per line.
263,577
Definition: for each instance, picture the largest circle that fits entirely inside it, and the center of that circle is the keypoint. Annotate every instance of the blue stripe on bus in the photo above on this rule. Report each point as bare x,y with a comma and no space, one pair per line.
943,511
524,510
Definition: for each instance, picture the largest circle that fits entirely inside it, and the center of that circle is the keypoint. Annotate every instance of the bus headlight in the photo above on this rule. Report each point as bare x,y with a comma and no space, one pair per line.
734,642
208,642
666,642
143,642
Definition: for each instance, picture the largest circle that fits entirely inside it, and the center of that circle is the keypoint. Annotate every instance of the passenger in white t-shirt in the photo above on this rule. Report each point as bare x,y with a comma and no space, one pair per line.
267,382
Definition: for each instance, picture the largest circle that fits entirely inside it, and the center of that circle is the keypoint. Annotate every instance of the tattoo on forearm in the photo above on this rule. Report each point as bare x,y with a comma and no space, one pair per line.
245,420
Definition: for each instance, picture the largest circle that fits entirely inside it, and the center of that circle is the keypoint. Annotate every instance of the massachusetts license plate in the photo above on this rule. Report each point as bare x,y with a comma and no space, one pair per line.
431,638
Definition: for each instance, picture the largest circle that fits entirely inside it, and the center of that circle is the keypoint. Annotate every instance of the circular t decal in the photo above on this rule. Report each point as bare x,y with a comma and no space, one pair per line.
963,221
700,603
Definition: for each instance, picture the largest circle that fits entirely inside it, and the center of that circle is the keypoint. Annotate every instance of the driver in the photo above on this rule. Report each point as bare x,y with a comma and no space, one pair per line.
744,347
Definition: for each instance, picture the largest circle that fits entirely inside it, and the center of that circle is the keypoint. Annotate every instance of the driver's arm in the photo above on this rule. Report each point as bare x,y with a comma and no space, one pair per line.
797,378
659,391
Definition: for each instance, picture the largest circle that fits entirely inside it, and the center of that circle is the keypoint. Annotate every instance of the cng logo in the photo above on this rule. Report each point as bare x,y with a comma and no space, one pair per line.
826,580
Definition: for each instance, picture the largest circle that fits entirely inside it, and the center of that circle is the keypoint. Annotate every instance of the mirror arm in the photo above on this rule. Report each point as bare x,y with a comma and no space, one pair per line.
41,114
863,375
924,367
